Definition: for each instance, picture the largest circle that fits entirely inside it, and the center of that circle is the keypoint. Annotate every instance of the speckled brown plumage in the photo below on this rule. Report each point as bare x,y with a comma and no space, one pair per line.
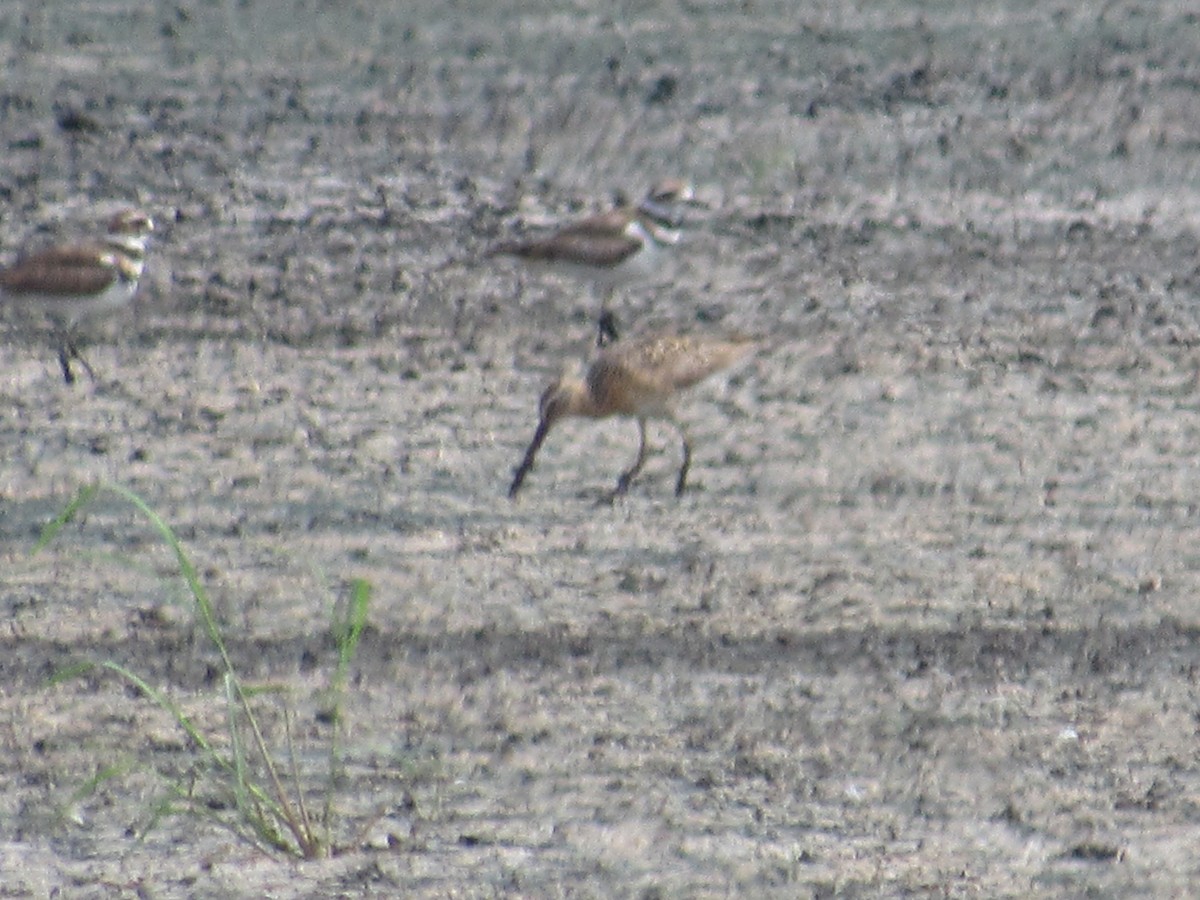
637,378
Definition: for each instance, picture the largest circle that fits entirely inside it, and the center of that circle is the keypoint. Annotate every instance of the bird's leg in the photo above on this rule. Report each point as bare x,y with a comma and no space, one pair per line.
607,322
627,477
608,327
64,360
681,481
74,353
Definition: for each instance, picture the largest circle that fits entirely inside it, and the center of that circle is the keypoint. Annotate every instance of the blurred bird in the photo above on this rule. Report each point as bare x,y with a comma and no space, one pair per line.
638,378
611,249
68,284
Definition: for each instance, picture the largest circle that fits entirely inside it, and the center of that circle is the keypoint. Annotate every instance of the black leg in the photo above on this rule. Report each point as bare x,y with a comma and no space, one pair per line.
627,476
606,325
608,328
681,482
74,352
64,360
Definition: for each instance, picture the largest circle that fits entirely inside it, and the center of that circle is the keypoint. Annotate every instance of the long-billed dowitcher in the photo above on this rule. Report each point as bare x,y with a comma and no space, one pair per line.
638,378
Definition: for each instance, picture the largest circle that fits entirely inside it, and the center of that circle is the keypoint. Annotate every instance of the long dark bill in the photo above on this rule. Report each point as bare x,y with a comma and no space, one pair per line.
535,445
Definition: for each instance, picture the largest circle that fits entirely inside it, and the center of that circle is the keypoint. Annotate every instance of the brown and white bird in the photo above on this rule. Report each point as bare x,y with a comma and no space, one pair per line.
64,286
614,248
637,378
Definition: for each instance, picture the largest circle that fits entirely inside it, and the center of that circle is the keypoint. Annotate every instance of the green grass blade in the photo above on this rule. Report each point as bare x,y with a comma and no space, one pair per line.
256,806
310,842
161,699
347,630
106,774
82,498
236,754
186,569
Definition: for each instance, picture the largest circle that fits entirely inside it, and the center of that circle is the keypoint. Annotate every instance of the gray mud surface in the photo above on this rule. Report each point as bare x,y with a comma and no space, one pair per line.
927,622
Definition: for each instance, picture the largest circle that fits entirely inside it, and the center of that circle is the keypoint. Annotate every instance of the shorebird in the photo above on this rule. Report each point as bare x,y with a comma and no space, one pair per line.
639,379
614,248
70,283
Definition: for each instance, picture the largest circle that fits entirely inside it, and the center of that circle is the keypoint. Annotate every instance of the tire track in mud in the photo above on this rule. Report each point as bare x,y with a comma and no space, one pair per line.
980,654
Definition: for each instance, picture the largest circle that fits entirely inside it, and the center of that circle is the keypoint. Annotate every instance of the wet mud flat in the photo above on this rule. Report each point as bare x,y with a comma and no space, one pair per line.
925,621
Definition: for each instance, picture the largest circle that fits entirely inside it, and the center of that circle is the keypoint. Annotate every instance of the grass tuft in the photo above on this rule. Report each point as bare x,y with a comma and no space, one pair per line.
237,783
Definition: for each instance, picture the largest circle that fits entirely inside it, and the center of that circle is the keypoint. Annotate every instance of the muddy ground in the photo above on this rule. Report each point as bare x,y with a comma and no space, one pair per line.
927,622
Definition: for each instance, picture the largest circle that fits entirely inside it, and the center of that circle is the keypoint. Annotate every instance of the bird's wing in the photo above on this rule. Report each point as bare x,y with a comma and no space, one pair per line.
603,240
604,251
675,362
61,270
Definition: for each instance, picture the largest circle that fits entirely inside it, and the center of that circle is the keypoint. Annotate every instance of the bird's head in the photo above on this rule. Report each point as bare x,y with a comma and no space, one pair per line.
132,223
